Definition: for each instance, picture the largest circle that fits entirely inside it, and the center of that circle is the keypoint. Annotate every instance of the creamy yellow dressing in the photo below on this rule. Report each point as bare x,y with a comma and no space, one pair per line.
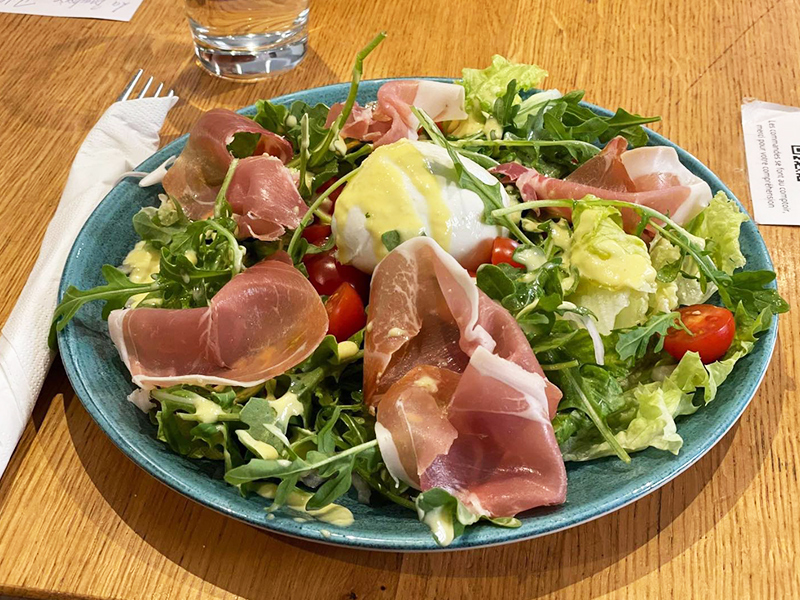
207,411
382,192
261,449
560,234
286,407
469,126
492,129
440,523
141,263
532,258
333,514
347,350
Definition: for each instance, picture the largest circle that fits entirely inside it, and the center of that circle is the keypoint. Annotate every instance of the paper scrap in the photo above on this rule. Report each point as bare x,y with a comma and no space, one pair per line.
772,146
113,10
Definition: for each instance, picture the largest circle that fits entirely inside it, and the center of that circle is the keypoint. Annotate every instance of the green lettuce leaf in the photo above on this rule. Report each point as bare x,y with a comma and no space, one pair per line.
716,230
615,273
484,86
719,225
654,406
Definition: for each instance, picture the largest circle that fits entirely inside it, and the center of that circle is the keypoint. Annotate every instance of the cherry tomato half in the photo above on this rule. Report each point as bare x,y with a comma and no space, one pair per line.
712,330
503,249
317,234
345,312
327,274
334,194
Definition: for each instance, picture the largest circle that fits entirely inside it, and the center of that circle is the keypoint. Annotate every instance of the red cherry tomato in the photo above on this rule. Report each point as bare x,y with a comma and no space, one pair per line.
712,327
334,194
503,251
345,312
327,274
317,234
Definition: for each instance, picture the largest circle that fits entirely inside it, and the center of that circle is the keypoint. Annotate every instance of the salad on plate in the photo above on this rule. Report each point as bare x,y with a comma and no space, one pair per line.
437,298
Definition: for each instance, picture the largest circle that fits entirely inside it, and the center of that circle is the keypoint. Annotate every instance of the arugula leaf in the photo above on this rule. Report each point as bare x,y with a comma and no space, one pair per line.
297,248
506,107
634,342
494,282
260,418
244,144
552,133
159,225
260,469
272,117
750,288
116,292
591,390
304,155
321,152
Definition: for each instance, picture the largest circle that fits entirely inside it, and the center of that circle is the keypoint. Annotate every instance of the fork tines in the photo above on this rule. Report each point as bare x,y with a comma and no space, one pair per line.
127,93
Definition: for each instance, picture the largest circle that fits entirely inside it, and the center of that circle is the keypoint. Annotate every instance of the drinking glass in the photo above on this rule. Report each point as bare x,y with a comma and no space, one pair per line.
248,39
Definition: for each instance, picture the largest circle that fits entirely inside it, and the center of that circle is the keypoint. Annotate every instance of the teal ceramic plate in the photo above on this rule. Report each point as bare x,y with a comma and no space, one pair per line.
595,489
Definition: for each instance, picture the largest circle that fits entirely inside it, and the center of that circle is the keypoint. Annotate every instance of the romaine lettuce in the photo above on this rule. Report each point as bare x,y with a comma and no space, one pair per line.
614,268
716,229
484,86
719,223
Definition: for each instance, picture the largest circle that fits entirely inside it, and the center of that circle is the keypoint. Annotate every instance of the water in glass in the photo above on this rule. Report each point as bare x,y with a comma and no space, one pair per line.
248,39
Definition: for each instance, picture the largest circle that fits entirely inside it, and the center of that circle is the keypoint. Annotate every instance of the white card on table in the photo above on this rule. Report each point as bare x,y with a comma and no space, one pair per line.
772,146
114,10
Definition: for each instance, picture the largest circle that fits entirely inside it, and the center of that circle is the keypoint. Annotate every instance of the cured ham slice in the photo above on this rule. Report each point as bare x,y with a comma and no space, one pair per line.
391,118
263,195
651,176
505,459
261,323
425,309
197,174
413,428
455,385
606,170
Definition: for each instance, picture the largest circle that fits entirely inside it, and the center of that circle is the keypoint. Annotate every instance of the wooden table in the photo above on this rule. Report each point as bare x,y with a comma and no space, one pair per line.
79,520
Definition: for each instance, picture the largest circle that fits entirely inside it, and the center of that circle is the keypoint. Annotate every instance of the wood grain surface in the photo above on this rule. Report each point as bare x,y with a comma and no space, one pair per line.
79,520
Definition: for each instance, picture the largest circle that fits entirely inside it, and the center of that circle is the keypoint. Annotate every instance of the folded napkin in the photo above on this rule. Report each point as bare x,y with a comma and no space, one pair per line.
124,136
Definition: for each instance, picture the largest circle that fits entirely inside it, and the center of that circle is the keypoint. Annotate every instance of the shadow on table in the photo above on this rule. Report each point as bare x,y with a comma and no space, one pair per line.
255,564
55,384
200,91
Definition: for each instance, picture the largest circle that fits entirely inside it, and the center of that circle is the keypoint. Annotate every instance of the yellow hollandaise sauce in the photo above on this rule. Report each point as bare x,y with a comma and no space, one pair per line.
396,190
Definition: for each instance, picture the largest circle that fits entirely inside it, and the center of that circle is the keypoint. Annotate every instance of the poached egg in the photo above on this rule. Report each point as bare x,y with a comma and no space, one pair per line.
412,188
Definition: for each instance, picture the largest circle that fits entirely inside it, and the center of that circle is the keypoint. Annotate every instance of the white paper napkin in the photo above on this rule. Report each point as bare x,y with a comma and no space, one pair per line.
126,134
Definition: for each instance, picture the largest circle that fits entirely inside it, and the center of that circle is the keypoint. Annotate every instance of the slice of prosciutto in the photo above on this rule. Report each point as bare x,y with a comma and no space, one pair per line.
391,119
651,176
456,387
263,196
197,174
262,322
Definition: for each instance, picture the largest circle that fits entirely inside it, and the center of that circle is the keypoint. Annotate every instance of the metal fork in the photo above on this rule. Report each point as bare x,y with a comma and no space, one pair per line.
126,93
